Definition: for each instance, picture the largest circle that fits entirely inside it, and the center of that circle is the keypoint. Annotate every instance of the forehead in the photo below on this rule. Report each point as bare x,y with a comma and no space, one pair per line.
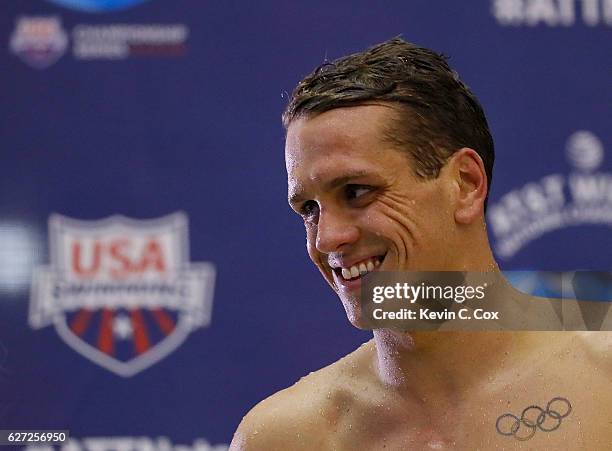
340,128
351,139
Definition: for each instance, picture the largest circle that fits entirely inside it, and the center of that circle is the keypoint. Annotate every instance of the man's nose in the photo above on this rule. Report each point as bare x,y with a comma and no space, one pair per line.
334,230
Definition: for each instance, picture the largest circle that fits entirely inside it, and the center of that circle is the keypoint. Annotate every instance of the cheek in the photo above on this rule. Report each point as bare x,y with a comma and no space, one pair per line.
414,218
438,214
311,241
396,213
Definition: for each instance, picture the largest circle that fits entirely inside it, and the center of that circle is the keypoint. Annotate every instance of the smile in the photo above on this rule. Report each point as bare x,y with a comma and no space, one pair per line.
359,269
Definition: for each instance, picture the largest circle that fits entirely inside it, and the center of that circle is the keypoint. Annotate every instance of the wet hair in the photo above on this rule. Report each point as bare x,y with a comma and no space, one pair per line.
437,112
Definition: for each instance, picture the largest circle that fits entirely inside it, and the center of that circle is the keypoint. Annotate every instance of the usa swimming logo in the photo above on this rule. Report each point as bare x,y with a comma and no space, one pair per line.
120,291
39,40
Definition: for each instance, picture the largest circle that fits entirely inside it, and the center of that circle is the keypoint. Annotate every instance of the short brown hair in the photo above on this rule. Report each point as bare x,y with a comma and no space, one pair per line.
438,113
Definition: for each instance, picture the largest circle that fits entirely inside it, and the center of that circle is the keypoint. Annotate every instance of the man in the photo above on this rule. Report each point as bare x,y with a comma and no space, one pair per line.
389,161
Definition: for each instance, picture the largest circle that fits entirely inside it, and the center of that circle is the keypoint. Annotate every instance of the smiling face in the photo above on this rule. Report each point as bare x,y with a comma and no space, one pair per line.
363,207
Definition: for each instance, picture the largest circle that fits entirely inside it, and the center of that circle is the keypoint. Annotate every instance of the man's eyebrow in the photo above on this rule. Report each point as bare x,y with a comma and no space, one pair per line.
345,178
297,196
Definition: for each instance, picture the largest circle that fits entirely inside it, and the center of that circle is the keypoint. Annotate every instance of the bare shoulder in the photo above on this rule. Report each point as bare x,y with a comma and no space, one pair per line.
590,349
276,422
596,340
598,347
299,417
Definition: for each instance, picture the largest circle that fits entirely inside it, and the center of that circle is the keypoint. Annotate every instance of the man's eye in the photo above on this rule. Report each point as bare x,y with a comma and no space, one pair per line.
356,191
309,209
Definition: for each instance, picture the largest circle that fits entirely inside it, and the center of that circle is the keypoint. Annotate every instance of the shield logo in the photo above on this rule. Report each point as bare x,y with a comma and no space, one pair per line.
120,291
39,40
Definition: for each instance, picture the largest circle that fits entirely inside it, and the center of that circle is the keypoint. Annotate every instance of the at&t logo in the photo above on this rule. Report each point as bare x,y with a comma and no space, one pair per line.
583,197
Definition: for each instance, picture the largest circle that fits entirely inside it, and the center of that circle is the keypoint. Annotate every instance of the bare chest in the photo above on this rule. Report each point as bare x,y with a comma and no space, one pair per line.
540,405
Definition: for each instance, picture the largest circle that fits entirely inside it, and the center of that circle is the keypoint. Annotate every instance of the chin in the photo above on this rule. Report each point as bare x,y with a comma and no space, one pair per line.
353,313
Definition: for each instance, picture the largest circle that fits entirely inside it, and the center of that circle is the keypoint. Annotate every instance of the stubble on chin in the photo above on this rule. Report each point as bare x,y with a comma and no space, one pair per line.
352,308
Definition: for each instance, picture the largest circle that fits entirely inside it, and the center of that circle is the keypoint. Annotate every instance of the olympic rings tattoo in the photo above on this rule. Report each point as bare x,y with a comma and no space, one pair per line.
525,427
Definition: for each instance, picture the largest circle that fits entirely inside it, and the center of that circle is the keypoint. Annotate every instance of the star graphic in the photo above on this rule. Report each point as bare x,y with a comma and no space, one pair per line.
122,327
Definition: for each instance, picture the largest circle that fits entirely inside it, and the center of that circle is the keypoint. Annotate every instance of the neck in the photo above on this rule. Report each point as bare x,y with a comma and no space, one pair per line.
418,359
442,362
475,252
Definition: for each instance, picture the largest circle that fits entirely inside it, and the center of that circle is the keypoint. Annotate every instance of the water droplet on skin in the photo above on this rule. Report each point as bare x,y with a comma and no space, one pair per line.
436,444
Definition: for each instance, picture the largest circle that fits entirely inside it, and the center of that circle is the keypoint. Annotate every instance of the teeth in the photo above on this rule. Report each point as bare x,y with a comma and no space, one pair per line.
360,269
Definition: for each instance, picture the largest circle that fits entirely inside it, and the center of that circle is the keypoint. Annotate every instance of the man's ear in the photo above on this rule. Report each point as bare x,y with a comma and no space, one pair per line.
470,176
